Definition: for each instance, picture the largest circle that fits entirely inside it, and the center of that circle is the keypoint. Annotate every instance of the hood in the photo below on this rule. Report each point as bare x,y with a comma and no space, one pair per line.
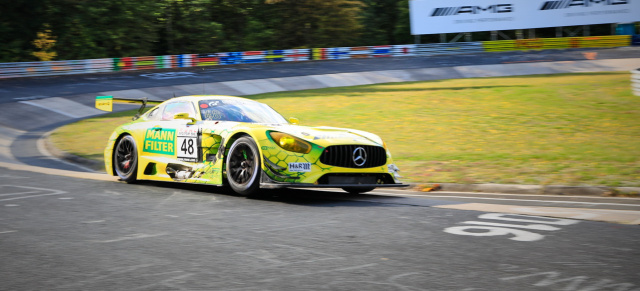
326,136
321,135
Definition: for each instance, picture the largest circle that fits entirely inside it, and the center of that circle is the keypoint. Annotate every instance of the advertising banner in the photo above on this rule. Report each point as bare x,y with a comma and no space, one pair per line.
455,16
557,43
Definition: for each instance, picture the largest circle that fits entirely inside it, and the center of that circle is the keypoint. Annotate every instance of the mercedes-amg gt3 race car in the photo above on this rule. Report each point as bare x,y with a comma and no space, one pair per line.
220,140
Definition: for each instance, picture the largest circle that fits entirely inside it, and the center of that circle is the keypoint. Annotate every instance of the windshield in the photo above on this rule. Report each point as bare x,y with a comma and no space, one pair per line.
239,110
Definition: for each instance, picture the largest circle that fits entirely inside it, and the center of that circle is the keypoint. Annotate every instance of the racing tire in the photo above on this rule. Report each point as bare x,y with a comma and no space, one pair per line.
358,190
125,159
243,167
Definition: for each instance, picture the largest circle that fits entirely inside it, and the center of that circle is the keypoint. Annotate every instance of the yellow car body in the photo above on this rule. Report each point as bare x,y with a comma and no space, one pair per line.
222,139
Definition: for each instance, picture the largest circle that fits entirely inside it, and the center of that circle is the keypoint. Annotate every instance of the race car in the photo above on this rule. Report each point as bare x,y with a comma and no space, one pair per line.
244,144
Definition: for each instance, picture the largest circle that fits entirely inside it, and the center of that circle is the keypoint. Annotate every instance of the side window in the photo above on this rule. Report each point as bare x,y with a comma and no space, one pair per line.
154,114
174,108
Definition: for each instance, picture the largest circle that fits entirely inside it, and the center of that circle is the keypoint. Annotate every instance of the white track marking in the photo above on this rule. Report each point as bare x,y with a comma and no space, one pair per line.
510,199
46,192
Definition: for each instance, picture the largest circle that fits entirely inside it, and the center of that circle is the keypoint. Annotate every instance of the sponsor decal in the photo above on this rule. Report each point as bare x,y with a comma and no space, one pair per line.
449,11
188,131
299,167
160,141
563,4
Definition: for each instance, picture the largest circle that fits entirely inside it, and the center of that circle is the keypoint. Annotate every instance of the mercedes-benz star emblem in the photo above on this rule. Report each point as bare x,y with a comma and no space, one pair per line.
359,156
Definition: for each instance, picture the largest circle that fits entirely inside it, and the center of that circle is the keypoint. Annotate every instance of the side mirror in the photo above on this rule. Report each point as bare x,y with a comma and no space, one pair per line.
293,120
184,115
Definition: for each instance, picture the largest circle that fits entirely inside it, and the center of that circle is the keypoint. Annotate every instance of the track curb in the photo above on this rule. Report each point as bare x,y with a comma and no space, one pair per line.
558,190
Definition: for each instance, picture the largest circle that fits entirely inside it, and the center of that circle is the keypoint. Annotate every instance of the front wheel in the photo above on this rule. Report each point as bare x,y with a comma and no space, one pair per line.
125,159
243,167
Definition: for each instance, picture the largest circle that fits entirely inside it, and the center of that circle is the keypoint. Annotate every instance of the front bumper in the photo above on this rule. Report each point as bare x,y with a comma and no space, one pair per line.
384,181
266,185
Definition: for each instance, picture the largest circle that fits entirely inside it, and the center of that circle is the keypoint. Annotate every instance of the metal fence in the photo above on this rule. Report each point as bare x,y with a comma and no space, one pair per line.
28,69
10,70
449,48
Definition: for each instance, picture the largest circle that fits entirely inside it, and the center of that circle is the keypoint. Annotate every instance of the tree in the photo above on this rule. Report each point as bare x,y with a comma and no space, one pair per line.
103,28
402,30
380,20
45,43
187,26
20,22
316,23
240,19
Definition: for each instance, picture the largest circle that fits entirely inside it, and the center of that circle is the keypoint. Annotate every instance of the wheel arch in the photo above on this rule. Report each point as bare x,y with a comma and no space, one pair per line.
245,188
235,136
113,150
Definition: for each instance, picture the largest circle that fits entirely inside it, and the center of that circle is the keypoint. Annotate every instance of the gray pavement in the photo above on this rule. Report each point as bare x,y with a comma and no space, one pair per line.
64,233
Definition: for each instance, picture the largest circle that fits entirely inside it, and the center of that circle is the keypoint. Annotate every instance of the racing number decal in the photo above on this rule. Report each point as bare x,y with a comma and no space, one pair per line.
187,150
187,144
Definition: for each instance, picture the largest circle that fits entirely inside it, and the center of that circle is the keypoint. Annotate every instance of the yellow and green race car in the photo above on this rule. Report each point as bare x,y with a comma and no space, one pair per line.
224,140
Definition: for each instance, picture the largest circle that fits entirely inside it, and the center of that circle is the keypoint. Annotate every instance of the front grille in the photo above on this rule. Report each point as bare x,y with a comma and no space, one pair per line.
351,179
343,156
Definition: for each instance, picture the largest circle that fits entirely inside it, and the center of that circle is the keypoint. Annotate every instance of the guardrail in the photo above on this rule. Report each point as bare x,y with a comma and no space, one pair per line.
9,70
635,82
449,48
557,43
28,69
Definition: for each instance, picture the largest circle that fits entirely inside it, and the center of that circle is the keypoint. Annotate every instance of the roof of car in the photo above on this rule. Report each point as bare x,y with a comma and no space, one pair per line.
206,97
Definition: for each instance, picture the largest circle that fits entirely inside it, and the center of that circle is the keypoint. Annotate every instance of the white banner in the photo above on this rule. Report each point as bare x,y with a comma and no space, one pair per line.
454,16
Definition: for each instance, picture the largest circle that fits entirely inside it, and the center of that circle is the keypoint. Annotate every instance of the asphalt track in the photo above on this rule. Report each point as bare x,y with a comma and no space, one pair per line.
62,228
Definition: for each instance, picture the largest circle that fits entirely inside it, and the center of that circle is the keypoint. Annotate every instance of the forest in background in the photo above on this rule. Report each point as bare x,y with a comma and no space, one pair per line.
33,30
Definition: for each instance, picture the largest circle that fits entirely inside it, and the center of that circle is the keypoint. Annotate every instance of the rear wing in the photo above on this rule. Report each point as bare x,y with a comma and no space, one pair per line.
105,103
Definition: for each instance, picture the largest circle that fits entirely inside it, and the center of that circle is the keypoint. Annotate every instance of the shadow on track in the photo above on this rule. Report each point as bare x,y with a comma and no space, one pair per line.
302,197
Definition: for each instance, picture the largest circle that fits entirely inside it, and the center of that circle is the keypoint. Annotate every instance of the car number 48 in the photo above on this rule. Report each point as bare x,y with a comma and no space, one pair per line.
187,148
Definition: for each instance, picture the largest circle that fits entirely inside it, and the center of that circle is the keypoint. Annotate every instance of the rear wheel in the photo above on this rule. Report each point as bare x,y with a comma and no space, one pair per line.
125,159
243,167
358,190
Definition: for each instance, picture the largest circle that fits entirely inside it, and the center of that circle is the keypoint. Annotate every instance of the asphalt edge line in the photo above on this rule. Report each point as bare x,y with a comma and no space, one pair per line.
545,201
442,194
65,173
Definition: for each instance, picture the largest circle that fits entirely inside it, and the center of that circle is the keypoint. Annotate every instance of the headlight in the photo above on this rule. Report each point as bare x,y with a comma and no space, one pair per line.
290,143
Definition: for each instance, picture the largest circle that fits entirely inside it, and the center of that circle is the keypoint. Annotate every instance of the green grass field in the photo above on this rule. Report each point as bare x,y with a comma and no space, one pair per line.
569,129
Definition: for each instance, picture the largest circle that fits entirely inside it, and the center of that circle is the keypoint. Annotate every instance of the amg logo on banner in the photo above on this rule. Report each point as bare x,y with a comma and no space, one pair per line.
562,4
448,11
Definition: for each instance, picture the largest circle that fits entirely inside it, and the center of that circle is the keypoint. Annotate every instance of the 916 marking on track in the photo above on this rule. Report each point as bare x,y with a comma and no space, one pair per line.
491,228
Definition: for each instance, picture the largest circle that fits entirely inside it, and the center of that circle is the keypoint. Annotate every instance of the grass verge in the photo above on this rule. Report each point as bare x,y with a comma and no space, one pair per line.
570,129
